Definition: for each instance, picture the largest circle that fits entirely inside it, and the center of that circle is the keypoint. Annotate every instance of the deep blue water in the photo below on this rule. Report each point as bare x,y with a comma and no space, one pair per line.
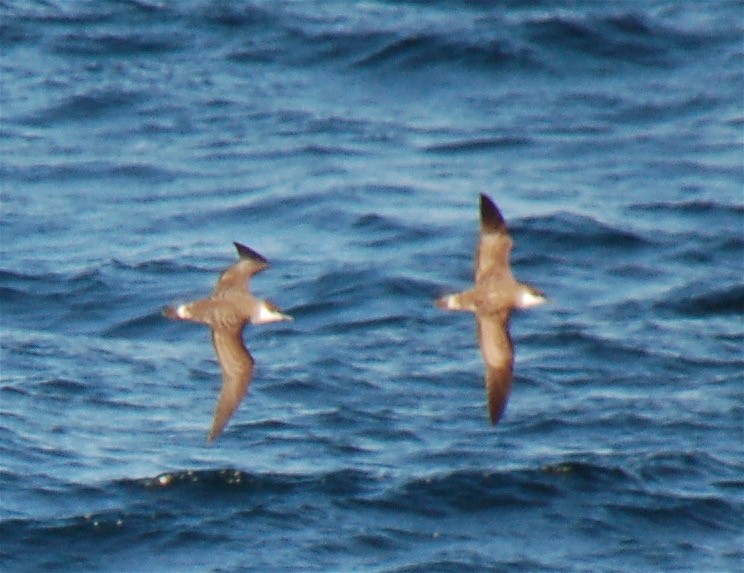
347,142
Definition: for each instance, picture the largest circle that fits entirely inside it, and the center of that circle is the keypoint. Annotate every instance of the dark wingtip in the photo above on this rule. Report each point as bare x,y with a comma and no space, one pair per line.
248,253
495,415
491,218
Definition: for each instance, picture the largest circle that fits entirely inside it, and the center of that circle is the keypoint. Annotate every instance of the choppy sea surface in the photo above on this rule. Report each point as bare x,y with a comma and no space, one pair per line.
347,142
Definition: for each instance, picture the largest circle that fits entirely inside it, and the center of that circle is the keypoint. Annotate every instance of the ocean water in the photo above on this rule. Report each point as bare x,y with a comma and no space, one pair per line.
347,142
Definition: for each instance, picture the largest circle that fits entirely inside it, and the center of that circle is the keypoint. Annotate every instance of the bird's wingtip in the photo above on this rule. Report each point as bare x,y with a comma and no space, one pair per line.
248,253
491,217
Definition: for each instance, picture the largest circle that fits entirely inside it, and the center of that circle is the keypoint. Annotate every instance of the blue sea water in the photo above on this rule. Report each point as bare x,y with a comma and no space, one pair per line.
347,142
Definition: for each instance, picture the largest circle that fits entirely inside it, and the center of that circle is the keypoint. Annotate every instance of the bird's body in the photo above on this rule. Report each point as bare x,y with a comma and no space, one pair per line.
227,311
494,297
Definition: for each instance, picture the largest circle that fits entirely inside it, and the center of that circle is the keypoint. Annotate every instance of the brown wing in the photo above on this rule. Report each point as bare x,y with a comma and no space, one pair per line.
236,277
494,244
496,346
237,371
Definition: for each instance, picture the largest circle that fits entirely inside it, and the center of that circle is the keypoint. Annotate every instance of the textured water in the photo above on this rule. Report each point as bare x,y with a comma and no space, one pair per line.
347,142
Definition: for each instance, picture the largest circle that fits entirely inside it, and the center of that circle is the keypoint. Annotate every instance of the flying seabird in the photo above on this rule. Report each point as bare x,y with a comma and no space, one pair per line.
493,299
230,307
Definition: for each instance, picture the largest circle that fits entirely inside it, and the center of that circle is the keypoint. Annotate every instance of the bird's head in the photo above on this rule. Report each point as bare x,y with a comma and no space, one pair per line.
267,312
530,296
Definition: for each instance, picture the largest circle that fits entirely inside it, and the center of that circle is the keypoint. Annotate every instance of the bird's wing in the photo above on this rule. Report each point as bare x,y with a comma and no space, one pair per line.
494,243
496,346
237,371
236,276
